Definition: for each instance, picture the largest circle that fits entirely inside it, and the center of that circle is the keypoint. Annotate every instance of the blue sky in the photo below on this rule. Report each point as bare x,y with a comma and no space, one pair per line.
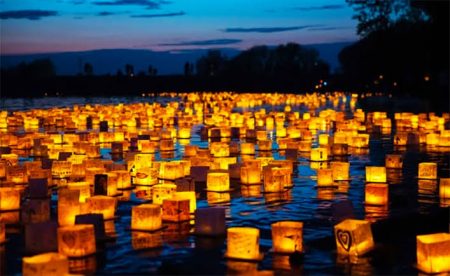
39,26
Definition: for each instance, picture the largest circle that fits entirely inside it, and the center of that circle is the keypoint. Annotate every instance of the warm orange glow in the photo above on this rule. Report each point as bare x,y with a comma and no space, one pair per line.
376,194
76,240
287,236
9,198
51,263
319,154
250,175
218,181
163,191
146,217
433,252
375,174
394,161
105,205
243,243
175,210
427,170
341,171
353,237
444,188
325,177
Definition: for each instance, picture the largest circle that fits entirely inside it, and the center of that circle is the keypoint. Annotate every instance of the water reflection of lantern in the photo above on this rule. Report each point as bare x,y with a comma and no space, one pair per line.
394,161
210,221
76,240
2,233
251,190
146,240
339,149
319,154
340,171
146,217
163,191
217,197
353,237
9,198
175,210
218,181
105,205
376,194
433,252
444,188
325,177
287,236
250,175
190,195
427,170
45,264
375,174
243,243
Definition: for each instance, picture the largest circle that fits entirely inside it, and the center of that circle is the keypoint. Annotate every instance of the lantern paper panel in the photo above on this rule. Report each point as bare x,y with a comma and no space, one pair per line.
319,154
51,263
2,232
394,161
444,188
325,177
175,210
341,171
218,181
146,176
353,237
190,195
250,175
210,221
276,179
243,243
17,174
163,191
76,240
376,194
146,217
427,170
433,252
375,174
287,236
104,205
146,240
9,198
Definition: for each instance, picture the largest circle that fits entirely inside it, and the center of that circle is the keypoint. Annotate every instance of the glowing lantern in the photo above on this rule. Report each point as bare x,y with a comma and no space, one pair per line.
218,181
287,236
9,198
243,243
190,150
433,253
163,191
324,139
123,179
248,148
171,170
146,176
444,188
376,194
142,161
166,145
3,168
319,154
250,175
61,169
353,237
76,240
190,195
339,149
219,149
105,205
360,141
340,171
175,210
265,145
276,179
68,206
51,263
325,177
16,174
90,174
394,161
146,217
375,174
427,170
2,233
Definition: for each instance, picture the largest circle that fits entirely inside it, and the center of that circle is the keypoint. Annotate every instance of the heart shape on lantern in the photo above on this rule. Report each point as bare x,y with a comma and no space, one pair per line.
345,239
69,239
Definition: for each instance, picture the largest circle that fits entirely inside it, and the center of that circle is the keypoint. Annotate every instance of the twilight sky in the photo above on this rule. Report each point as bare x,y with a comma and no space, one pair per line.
39,26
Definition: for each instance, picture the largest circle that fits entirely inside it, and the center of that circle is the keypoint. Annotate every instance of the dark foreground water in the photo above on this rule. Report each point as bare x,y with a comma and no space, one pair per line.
414,208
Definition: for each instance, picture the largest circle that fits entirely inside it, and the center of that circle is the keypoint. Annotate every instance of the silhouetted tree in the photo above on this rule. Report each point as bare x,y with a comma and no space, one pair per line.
152,71
129,70
188,69
212,64
88,69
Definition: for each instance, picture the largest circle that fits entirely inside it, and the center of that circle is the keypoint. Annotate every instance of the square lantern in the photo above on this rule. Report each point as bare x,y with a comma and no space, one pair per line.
51,263
105,205
339,149
427,170
247,148
287,236
265,145
433,253
210,221
61,169
163,191
218,181
83,187
146,217
353,237
76,240
219,149
276,179
250,175
319,154
376,194
146,176
243,243
189,195
444,188
171,170
123,179
9,198
17,174
375,174
325,177
175,210
68,206
341,171
394,161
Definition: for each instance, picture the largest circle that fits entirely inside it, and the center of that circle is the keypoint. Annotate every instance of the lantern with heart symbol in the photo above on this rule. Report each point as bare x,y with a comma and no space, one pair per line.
353,237
76,240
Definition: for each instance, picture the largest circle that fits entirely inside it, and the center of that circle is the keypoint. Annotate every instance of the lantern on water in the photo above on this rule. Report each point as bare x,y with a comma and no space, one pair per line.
287,236
248,148
142,160
375,174
276,179
243,243
61,169
427,170
339,149
353,237
171,170
175,210
104,205
265,145
433,253
219,149
340,171
146,176
166,145
444,188
324,139
9,198
376,194
210,221
68,206
250,175
360,141
76,240
51,263
218,181
319,154
17,174
123,179
190,150
190,195
163,191
146,217
394,161
325,177
83,187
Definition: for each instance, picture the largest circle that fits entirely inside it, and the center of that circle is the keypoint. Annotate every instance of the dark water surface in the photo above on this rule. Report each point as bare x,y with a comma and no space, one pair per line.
411,203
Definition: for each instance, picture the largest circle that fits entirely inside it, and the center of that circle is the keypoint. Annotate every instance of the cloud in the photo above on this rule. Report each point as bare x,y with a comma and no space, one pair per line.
158,15
27,14
323,7
221,41
105,13
150,4
267,29
325,28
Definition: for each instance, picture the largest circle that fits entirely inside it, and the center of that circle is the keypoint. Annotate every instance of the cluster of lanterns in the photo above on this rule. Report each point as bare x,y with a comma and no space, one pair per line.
64,149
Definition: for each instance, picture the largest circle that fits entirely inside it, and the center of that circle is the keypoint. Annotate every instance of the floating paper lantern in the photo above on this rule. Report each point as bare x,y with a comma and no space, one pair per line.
339,149
68,206
175,210
9,198
146,217
444,188
166,145
51,263
324,139
394,161
247,148
76,240
17,174
319,154
123,179
83,187
360,141
325,177
265,145
276,179
190,195
243,243
375,174
104,205
353,237
219,149
61,169
433,253
142,160
190,150
376,194
250,175
218,181
427,170
171,170
163,191
287,236
341,171
146,176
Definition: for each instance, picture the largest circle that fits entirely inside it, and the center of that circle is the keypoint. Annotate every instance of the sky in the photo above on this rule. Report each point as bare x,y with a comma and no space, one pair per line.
44,26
